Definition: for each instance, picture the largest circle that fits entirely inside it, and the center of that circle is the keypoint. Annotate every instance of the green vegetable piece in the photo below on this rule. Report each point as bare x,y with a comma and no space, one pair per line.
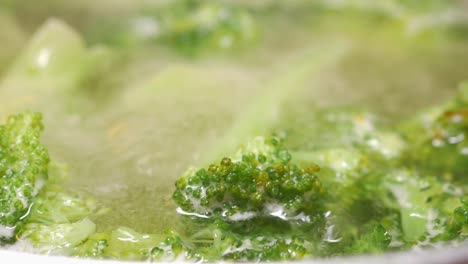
58,238
375,239
420,199
126,243
264,248
59,222
259,180
456,225
54,50
338,128
438,142
193,26
261,115
23,169
50,68
94,246
53,206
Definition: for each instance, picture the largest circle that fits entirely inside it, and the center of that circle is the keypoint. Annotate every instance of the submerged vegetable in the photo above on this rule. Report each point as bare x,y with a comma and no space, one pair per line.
191,26
245,204
439,138
456,226
50,70
258,181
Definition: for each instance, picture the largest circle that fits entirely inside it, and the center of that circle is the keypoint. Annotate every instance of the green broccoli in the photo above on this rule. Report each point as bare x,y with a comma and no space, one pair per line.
190,26
263,206
438,138
373,238
343,129
23,169
358,219
449,140
257,181
455,226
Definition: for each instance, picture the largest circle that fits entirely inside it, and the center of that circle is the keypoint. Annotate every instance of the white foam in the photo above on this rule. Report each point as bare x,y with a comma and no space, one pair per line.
242,216
7,231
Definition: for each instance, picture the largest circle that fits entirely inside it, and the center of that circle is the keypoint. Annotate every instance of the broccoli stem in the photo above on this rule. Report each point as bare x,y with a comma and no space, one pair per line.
261,114
50,68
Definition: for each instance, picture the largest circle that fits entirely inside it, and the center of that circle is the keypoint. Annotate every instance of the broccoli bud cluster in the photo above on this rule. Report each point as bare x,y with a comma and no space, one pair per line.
251,198
259,181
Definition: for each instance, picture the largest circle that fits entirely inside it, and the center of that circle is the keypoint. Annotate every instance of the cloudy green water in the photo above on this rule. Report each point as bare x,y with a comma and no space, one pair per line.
132,131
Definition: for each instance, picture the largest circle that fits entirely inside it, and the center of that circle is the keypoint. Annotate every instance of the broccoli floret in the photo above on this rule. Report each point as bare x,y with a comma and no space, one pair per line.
190,26
263,206
23,169
449,140
340,128
358,219
456,224
373,238
438,141
258,180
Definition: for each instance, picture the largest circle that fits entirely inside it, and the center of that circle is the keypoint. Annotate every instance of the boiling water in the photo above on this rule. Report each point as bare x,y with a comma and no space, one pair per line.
142,124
